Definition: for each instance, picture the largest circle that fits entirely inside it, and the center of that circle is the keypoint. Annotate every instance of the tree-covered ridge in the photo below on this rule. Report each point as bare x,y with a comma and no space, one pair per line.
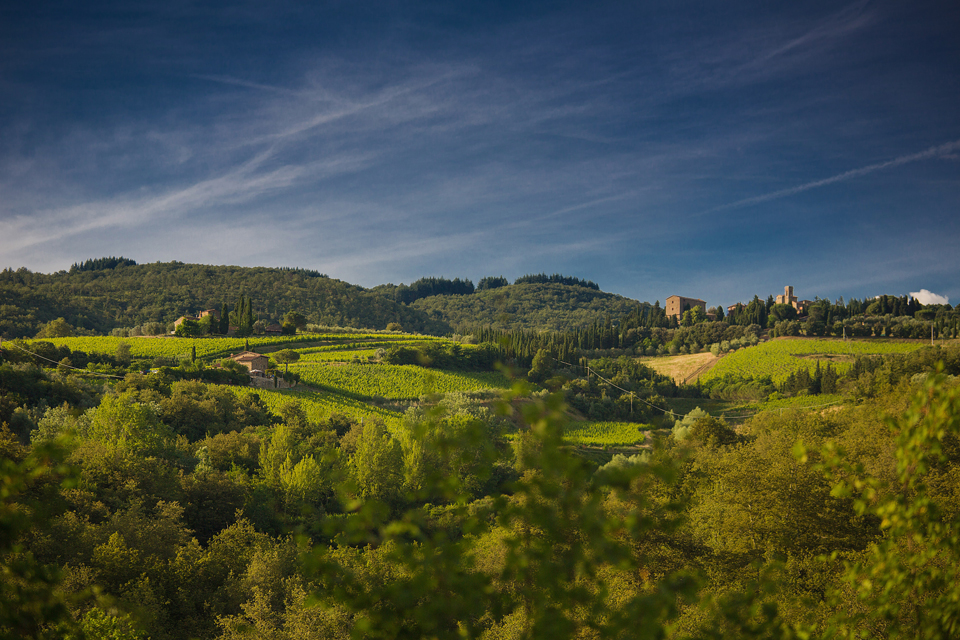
98,264
100,300
550,306
492,282
424,288
542,278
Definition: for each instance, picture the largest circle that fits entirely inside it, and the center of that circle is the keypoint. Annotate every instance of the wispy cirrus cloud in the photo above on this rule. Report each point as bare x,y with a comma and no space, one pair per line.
940,151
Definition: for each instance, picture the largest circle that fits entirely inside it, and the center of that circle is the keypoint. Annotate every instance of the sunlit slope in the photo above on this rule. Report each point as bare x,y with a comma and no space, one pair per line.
554,307
780,357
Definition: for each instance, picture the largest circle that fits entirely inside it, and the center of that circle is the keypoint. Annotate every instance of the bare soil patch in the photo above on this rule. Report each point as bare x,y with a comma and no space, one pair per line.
827,357
684,368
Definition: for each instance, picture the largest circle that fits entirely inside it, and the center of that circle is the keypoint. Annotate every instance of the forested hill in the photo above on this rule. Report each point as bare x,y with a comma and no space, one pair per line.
542,306
126,295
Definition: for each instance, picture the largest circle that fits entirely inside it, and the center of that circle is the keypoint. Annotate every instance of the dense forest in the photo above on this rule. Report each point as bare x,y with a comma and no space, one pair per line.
538,306
101,295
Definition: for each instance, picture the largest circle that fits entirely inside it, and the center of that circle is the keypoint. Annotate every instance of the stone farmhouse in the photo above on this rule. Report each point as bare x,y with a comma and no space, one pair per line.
676,305
209,312
252,360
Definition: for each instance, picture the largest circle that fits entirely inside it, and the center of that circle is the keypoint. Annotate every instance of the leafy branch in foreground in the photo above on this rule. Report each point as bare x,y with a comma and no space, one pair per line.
31,606
907,583
556,558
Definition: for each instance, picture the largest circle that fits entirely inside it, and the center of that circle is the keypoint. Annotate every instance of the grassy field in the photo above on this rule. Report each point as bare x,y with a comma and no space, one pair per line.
681,368
781,357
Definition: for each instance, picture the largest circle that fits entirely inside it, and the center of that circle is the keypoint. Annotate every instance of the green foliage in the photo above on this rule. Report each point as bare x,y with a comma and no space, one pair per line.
446,453
286,357
175,349
542,278
492,282
428,524
739,387
377,465
123,423
32,603
131,295
397,382
101,264
539,306
319,406
189,329
780,358
55,329
908,581
426,287
557,561
614,434
681,428
99,624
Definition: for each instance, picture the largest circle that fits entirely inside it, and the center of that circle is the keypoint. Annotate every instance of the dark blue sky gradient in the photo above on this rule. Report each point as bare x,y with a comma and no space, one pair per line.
714,150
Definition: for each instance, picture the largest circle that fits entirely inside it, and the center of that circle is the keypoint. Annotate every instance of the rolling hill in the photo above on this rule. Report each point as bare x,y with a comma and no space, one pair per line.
547,306
130,295
104,294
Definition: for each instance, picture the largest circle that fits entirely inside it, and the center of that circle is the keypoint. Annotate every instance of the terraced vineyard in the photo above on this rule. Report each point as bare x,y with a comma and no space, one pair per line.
614,434
212,348
395,382
339,355
347,351
343,388
177,348
319,405
779,358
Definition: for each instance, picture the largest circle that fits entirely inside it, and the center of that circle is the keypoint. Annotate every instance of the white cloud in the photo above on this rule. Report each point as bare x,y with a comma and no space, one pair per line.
928,297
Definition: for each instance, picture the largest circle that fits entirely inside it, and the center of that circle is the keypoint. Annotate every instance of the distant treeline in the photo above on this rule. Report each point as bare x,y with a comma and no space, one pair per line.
310,273
99,264
542,278
428,287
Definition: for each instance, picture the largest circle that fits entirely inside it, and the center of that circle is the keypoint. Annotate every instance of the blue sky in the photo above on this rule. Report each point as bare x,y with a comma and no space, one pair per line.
713,150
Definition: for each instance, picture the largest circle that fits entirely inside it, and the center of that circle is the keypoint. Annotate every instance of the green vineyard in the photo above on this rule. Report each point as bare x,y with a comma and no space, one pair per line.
327,363
779,358
178,348
395,382
320,405
613,434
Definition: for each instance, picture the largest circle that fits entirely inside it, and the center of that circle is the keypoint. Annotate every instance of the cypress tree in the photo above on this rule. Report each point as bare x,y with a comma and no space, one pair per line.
224,319
248,317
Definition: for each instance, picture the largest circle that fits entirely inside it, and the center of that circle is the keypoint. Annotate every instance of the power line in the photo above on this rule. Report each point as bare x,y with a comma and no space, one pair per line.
678,415
612,384
37,355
